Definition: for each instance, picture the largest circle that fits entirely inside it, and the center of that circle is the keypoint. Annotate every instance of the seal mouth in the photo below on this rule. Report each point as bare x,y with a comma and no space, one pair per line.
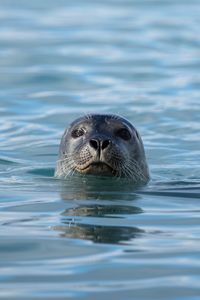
101,168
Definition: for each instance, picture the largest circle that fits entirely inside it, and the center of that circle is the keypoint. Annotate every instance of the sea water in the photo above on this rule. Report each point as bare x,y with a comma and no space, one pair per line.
99,238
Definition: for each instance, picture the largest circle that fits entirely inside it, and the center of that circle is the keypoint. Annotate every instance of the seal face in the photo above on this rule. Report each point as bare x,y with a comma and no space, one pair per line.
106,145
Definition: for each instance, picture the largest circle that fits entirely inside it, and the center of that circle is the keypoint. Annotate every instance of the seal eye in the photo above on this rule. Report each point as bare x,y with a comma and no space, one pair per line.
124,134
78,132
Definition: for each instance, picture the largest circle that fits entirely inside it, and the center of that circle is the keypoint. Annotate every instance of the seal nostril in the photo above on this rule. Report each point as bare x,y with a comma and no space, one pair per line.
98,144
105,144
94,144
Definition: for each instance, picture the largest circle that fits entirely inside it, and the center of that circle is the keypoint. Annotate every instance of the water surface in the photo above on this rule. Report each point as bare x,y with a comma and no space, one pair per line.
95,238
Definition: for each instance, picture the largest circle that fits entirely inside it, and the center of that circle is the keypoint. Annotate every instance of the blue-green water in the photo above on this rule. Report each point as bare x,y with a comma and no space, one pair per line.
98,238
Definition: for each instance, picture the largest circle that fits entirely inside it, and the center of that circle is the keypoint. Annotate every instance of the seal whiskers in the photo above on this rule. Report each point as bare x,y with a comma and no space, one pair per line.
65,166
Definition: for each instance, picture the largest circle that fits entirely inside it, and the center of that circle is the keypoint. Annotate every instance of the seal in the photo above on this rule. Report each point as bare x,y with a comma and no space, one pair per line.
106,145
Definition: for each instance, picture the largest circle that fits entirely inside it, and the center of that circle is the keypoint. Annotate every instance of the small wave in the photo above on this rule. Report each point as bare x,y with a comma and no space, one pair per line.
49,172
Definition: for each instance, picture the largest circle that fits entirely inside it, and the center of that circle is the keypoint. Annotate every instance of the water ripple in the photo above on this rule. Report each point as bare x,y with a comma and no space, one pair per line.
89,237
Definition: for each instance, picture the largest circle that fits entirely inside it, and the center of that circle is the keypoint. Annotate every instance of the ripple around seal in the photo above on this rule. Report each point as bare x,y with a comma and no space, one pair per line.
93,238
47,172
7,162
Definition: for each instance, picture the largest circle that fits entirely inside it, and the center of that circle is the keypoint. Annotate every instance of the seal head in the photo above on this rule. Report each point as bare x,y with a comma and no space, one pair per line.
106,145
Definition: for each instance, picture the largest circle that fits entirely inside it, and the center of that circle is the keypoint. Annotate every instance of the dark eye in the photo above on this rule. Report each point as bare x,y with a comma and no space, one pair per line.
78,132
124,134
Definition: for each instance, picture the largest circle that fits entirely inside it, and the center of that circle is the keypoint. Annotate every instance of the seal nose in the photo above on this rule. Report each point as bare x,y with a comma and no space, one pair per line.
98,144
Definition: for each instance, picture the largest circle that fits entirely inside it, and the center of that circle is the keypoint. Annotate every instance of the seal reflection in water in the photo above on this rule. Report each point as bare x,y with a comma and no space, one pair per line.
106,145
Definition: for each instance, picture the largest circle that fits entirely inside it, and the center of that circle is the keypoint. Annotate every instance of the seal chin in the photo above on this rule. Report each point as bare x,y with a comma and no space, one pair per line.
98,168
